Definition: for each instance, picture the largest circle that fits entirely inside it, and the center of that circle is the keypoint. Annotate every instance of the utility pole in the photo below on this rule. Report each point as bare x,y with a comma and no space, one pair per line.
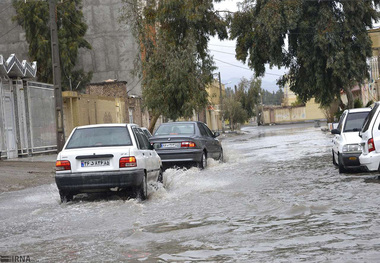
56,76
221,101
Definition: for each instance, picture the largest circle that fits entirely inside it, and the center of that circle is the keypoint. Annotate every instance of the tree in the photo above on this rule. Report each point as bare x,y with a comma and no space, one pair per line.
234,111
174,61
274,98
327,43
248,94
33,16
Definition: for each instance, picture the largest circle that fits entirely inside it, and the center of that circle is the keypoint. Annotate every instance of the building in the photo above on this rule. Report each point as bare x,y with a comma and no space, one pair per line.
214,109
370,91
113,46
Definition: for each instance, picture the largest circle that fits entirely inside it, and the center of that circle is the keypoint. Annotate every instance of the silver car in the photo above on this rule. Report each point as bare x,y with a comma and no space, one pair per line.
187,142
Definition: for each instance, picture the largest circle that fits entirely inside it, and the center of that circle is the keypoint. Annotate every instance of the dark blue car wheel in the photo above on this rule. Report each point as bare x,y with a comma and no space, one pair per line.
203,163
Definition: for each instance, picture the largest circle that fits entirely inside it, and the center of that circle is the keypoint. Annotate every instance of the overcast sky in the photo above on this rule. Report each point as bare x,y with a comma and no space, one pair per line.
230,69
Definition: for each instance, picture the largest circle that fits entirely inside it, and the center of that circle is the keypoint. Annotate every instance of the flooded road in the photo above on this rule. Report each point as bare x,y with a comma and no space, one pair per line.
277,198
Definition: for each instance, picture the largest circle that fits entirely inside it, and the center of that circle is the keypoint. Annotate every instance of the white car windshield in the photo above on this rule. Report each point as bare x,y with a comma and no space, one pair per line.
99,137
355,121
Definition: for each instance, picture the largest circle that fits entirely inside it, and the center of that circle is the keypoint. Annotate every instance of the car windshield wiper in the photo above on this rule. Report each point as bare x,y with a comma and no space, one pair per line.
352,130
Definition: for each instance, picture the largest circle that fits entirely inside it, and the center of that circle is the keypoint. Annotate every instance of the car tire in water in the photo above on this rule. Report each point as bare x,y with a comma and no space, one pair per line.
333,158
65,197
221,157
160,176
142,191
340,165
203,163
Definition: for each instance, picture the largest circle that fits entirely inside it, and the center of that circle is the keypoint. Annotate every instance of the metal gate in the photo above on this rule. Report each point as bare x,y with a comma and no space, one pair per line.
41,108
22,126
9,121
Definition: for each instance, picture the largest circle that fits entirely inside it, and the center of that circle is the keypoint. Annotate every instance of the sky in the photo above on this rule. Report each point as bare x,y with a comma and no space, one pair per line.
232,70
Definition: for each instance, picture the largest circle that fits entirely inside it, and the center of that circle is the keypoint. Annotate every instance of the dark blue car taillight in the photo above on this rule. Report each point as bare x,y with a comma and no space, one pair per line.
188,144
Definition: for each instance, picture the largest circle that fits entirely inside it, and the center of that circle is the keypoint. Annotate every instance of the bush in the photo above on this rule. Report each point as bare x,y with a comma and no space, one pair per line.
358,103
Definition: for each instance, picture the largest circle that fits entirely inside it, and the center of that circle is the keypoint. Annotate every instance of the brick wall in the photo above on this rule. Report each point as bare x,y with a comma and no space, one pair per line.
117,89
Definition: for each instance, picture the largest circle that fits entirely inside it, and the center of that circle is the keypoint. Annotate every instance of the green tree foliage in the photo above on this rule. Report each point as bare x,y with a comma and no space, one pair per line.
323,43
234,111
33,16
248,94
274,98
175,62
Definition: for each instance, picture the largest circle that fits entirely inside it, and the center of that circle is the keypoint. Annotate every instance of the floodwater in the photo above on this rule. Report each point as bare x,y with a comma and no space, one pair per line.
277,198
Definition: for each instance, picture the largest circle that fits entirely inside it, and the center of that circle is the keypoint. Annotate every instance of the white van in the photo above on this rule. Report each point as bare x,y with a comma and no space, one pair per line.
346,142
370,142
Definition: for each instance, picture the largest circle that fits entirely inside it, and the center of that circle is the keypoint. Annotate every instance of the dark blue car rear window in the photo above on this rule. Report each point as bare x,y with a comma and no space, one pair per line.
176,129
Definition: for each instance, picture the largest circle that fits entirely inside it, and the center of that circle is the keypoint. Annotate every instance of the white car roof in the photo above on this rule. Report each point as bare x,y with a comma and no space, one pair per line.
107,125
359,110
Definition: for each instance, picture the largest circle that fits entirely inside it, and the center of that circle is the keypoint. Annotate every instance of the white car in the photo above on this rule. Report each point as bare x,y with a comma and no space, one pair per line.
346,142
370,134
147,132
99,157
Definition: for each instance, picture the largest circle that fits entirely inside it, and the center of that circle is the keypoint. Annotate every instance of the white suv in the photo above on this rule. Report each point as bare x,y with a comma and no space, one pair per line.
370,133
346,142
99,157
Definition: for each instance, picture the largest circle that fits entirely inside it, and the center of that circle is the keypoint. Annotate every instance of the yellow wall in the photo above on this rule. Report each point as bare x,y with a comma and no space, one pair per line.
84,109
213,91
313,111
213,118
294,114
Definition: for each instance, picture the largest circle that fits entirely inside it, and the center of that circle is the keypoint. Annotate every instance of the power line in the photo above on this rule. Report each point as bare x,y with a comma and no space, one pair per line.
8,31
232,64
221,46
5,9
81,29
237,66
134,86
222,52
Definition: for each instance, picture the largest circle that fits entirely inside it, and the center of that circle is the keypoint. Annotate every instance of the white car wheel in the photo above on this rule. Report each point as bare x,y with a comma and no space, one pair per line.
143,189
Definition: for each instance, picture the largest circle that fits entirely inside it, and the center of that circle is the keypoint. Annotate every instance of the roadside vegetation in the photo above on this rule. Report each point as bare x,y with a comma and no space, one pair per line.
33,17
174,63
324,44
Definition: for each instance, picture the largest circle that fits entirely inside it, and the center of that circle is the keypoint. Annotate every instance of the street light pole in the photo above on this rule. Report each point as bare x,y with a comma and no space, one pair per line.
56,76
221,101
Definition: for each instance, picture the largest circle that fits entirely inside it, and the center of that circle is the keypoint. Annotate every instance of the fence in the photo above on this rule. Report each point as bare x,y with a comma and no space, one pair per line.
27,118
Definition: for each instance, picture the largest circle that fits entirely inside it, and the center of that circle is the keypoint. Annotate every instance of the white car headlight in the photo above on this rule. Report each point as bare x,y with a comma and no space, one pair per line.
352,148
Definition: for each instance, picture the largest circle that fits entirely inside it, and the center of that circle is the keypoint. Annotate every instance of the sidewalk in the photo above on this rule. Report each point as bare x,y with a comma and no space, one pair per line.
37,158
21,173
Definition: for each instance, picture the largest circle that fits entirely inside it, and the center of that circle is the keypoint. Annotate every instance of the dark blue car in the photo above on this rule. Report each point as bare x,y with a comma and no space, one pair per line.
189,142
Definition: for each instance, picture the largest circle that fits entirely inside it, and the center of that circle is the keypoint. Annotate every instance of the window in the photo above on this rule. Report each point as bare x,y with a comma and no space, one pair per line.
354,121
209,132
142,139
340,125
176,129
99,137
369,118
202,129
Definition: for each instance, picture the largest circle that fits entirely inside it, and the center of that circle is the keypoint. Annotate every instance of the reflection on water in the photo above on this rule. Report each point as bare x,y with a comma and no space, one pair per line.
277,198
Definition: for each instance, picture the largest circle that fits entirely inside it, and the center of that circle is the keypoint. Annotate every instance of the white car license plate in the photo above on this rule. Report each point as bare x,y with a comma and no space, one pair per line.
94,163
170,145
